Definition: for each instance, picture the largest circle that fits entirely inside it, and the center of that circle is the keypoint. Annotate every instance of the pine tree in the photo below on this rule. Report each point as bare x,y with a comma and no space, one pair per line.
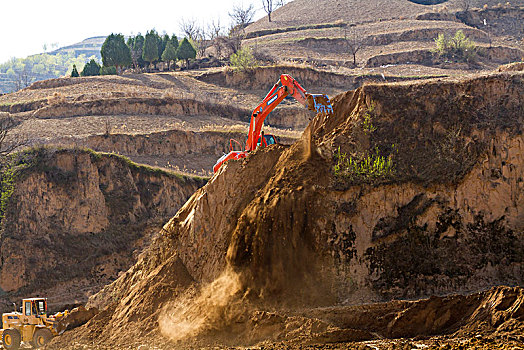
150,51
138,49
169,54
174,41
115,52
186,51
74,72
162,45
90,69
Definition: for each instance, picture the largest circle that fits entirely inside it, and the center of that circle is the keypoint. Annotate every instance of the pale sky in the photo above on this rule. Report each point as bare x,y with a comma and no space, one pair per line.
26,25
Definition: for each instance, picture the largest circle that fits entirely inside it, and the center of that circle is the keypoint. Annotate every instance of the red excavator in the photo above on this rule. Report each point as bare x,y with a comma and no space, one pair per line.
286,86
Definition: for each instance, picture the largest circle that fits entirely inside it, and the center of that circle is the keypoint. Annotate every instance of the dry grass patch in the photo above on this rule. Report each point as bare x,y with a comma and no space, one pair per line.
56,98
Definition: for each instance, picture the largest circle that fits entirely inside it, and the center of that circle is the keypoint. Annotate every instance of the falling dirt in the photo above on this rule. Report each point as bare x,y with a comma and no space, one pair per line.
196,312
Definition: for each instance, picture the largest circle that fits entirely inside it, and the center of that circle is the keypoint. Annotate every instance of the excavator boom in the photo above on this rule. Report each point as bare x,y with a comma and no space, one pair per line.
286,86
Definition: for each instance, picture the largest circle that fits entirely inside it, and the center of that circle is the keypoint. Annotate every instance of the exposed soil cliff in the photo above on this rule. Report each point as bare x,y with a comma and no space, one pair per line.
193,151
75,219
408,190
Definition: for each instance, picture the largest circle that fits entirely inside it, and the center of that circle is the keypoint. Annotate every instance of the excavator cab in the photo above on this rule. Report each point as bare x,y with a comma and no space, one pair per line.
268,140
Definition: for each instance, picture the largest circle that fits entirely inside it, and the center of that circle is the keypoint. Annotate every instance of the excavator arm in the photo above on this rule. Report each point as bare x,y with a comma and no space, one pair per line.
286,86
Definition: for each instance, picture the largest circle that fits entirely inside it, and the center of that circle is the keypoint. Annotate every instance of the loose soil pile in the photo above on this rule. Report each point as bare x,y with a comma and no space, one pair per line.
274,246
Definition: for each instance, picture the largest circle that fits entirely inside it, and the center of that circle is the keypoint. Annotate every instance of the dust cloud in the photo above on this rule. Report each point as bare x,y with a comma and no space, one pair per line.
213,307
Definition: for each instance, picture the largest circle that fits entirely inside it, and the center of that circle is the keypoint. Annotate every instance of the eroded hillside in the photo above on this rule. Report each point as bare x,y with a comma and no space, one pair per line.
407,191
76,219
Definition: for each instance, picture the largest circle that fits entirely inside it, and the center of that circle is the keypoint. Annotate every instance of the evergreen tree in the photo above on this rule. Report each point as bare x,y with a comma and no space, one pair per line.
169,54
115,52
111,70
150,51
174,41
90,69
74,72
162,45
138,49
131,44
186,51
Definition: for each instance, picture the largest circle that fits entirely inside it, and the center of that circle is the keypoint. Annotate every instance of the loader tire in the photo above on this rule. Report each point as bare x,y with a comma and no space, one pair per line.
41,337
11,339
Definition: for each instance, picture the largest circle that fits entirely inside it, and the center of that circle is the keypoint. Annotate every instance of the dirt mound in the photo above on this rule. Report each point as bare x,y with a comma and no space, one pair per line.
408,190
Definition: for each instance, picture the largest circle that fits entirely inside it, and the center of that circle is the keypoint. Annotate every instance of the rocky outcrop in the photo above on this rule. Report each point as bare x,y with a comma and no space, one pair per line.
76,219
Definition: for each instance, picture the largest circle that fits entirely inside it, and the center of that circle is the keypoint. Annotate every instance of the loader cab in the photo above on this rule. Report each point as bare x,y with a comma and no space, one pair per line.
34,307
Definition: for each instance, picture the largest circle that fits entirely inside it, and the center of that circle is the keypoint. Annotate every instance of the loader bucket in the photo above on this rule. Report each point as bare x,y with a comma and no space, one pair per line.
319,103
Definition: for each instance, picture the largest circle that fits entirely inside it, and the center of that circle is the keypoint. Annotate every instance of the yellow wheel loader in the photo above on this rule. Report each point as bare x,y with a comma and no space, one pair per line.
31,325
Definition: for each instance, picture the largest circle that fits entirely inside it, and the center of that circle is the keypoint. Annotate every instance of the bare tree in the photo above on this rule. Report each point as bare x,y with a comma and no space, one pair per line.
242,16
354,41
189,27
233,41
215,33
201,41
23,79
215,29
271,5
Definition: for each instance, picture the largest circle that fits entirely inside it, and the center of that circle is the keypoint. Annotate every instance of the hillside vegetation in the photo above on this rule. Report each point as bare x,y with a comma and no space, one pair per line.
19,73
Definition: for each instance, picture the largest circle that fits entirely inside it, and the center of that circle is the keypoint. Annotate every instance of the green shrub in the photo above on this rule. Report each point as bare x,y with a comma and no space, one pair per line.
108,70
456,47
90,69
366,167
367,122
7,187
243,59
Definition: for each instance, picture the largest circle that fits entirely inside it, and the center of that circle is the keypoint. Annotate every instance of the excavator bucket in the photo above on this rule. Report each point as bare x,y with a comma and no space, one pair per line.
319,103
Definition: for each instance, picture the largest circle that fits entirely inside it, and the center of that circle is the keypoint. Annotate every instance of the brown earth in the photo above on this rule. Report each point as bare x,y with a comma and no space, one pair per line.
275,247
